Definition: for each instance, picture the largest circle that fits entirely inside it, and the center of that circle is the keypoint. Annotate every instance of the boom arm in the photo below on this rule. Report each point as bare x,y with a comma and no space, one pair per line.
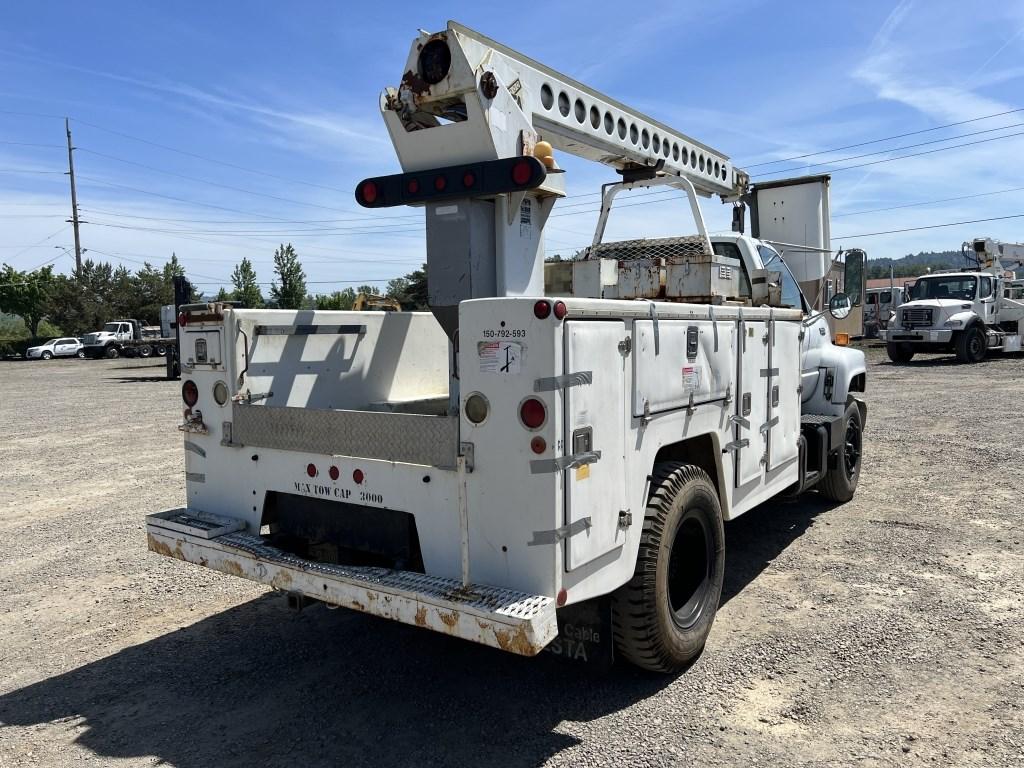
995,256
491,102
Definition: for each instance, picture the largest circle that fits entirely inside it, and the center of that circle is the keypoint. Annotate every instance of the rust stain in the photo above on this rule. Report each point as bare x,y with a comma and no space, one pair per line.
230,566
358,606
415,83
281,580
371,596
515,642
163,548
421,616
449,619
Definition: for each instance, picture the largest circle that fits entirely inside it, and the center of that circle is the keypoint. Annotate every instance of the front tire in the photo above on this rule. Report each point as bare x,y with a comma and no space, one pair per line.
47,355
840,481
662,617
899,353
971,345
112,353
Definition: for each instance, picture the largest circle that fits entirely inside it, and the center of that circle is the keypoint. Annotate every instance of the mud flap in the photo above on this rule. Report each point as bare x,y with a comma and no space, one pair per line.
585,633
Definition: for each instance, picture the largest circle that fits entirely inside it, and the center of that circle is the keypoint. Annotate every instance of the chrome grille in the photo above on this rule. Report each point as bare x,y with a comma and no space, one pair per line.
917,316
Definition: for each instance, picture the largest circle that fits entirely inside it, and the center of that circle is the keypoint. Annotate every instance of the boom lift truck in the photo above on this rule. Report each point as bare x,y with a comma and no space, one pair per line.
969,312
509,464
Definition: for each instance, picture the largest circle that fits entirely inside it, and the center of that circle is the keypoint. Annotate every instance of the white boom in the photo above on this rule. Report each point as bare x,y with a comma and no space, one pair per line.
994,255
505,101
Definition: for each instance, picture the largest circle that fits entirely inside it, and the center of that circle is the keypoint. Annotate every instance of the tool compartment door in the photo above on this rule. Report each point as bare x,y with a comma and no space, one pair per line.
783,394
595,416
752,374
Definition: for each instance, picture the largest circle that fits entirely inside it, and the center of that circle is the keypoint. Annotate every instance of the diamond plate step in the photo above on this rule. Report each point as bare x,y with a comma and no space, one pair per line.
502,618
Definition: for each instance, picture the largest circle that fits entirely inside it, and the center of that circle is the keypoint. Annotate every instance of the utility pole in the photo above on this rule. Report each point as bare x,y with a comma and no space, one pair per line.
74,202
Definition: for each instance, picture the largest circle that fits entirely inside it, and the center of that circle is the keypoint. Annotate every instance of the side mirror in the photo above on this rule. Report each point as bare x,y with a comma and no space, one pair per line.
853,275
840,306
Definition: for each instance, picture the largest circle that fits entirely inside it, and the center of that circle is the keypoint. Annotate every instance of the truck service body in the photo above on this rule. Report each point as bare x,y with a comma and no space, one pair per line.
489,467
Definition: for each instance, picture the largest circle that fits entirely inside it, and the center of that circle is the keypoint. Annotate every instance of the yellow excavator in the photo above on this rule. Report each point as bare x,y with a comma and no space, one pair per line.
373,303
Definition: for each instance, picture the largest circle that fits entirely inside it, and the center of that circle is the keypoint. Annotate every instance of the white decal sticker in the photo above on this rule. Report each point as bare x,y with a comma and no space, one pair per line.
500,356
445,210
525,218
691,378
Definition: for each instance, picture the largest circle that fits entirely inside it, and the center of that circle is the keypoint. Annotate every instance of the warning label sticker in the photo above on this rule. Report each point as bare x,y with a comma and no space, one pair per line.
691,379
500,356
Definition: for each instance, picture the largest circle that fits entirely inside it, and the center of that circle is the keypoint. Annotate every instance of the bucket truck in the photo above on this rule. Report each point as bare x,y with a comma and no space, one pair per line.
969,313
514,468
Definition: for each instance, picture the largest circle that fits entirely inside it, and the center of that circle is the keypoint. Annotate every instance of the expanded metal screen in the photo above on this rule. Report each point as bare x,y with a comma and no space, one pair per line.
668,248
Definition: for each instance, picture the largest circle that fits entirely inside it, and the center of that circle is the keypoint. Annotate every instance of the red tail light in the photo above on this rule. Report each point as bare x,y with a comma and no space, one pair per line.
190,393
468,179
334,472
541,309
413,186
368,192
532,413
522,172
440,182
560,310
358,476
182,319
311,470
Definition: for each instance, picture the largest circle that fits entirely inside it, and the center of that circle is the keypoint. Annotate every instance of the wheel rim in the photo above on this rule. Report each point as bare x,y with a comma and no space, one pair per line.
690,569
851,452
975,344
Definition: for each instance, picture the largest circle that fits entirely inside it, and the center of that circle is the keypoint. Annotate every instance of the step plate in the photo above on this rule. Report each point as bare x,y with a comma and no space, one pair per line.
501,618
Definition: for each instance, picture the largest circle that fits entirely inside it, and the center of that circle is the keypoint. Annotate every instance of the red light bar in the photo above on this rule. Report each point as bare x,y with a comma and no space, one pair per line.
493,177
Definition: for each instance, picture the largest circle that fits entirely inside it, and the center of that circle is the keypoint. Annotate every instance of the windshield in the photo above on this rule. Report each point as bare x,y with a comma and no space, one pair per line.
958,287
112,327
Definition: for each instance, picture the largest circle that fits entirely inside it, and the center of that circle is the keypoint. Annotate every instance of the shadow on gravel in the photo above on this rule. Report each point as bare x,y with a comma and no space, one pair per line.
755,539
135,379
257,686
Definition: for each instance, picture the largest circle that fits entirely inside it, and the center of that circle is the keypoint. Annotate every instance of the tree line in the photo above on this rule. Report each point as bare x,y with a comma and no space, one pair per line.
99,292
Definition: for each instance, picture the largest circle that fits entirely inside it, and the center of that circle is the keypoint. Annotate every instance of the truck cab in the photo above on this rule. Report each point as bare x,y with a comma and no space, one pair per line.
110,340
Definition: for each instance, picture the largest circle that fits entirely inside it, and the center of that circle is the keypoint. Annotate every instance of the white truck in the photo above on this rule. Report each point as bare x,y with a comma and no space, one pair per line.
970,312
512,468
126,337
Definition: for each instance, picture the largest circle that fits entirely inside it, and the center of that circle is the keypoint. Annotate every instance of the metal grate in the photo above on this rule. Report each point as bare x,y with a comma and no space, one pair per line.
668,248
917,316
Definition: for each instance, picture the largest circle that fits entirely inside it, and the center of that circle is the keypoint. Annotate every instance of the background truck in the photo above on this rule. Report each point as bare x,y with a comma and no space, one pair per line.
968,312
512,468
879,308
126,337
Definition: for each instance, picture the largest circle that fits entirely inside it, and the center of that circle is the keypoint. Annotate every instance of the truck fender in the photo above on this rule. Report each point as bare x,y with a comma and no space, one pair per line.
967,318
849,376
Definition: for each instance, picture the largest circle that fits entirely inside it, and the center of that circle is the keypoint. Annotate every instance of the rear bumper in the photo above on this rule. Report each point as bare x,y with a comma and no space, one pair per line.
501,618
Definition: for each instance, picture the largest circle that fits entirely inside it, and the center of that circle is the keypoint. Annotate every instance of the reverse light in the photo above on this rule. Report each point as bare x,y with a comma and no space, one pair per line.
220,393
476,408
542,309
532,413
190,393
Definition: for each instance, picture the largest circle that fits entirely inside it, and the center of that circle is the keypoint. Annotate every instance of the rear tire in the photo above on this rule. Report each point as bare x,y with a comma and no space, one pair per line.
112,353
899,353
80,354
971,345
840,482
662,617
145,350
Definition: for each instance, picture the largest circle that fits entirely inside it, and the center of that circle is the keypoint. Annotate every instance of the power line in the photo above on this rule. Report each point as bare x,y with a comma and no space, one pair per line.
211,183
28,248
930,226
927,202
30,144
887,138
901,157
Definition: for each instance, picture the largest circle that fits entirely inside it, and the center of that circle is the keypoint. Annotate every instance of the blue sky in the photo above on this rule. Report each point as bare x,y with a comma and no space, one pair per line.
277,104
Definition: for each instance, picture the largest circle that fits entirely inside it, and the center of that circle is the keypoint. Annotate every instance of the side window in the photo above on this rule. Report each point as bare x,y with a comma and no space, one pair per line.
731,251
986,288
791,296
885,298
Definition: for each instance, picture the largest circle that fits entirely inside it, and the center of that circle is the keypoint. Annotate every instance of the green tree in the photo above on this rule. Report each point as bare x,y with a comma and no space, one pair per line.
338,300
26,294
247,291
369,290
410,291
289,291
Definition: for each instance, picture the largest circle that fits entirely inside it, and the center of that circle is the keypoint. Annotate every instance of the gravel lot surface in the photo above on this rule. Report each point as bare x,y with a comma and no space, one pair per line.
887,631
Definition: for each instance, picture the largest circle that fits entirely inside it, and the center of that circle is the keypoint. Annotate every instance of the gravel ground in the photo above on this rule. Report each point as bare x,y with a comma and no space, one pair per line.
887,631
